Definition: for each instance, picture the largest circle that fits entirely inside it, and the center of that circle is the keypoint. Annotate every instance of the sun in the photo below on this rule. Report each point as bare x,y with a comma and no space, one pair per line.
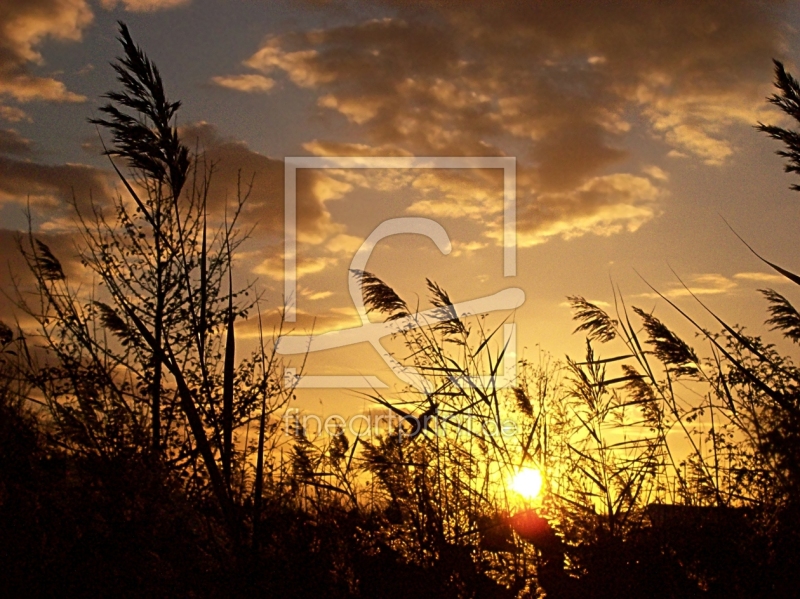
527,483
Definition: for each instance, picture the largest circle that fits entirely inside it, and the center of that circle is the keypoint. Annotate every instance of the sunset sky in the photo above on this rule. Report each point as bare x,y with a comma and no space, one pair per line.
631,124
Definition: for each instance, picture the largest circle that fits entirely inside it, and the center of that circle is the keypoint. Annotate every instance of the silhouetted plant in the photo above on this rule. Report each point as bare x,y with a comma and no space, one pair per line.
150,351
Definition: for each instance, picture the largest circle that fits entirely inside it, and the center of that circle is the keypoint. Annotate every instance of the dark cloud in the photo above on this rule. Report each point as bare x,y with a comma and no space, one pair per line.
50,189
235,167
23,181
14,144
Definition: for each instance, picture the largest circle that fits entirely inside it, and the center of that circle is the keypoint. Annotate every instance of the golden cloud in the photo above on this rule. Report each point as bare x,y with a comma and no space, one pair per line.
762,277
24,25
698,284
603,206
562,91
273,266
245,83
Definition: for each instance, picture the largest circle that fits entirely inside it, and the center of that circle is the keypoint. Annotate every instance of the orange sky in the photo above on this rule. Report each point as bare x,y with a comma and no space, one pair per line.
631,124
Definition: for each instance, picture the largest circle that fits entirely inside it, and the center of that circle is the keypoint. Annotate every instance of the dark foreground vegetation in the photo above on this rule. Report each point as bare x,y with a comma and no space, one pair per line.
140,458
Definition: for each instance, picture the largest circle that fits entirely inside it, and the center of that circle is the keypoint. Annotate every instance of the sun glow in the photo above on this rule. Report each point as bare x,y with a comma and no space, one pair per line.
527,483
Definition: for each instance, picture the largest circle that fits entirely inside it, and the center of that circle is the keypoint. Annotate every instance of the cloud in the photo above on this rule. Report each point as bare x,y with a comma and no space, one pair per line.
233,169
564,92
461,248
717,284
24,25
346,245
25,88
12,143
144,5
707,284
529,71
50,185
603,206
314,296
655,172
313,258
762,277
459,193
238,169
232,166
245,83
699,284
273,266
330,148
12,114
